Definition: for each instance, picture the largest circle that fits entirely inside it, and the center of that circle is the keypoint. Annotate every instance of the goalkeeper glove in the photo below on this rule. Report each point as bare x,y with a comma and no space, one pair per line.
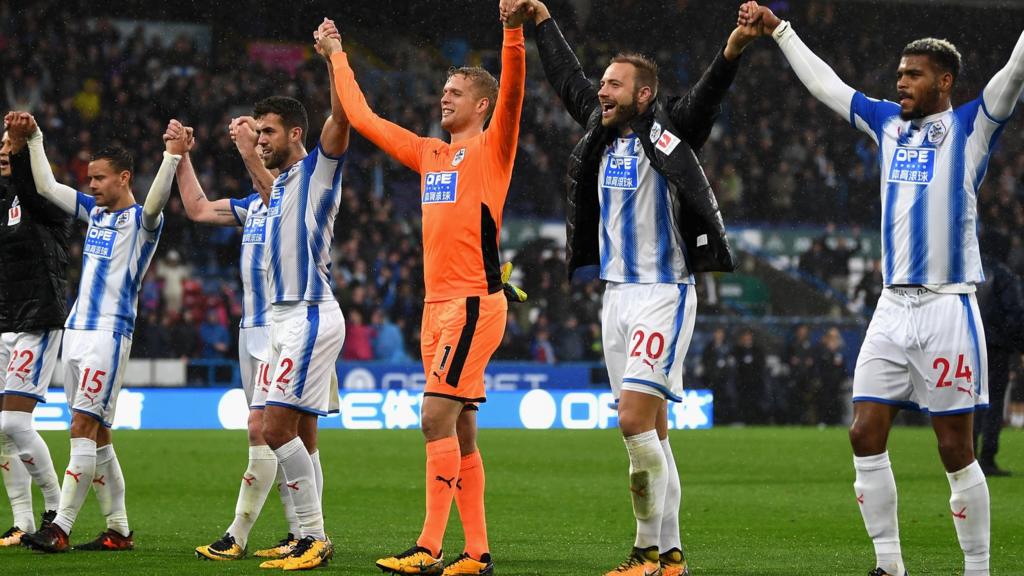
512,293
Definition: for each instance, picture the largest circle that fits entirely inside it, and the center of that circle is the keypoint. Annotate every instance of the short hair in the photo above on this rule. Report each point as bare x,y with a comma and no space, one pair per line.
484,84
119,158
942,52
291,111
646,69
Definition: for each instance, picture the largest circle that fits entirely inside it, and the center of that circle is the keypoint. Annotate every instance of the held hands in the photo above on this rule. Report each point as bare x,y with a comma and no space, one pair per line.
748,28
513,293
243,133
759,17
326,39
20,126
178,139
514,12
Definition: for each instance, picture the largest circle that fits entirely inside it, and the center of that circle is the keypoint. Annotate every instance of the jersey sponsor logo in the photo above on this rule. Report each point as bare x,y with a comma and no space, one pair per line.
255,231
14,213
621,172
912,165
276,195
459,156
100,242
667,143
440,187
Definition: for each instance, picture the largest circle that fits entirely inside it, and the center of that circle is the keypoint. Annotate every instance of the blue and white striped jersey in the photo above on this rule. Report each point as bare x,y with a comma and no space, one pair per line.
931,169
115,256
300,227
251,214
640,243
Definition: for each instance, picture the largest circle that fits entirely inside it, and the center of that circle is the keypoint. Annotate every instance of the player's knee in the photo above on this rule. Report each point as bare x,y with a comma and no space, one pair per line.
274,435
864,439
256,427
632,423
955,452
83,426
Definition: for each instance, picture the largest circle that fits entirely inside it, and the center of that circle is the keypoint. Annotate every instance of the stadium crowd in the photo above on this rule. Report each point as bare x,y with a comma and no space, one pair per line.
776,155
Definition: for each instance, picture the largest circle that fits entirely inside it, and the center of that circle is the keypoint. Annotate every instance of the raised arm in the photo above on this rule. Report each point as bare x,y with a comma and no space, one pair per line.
197,206
695,113
1003,90
816,75
562,68
335,135
397,142
21,171
160,190
503,130
64,197
243,134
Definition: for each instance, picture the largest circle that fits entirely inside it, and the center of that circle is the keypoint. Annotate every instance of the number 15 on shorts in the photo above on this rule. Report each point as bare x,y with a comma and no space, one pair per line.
92,383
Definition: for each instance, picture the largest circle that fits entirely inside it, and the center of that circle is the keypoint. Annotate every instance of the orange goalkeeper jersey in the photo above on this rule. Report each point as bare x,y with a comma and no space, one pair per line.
463,186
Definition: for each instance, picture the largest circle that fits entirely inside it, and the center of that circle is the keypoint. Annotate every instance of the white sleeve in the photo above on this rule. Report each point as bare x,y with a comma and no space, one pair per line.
64,197
823,83
1003,90
160,191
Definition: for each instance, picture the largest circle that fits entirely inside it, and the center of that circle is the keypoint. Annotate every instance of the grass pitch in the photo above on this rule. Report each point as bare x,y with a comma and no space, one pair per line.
756,501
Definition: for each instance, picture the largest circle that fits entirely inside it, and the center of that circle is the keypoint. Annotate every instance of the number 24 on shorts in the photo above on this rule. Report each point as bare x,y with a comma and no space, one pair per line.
963,371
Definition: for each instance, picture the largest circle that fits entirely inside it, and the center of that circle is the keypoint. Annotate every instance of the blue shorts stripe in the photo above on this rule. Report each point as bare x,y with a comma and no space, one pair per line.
294,407
975,341
313,318
677,326
38,368
112,378
36,397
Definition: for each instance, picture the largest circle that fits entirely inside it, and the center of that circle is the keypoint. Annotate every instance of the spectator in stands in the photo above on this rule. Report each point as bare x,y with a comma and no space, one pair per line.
569,340
181,334
173,273
719,368
541,349
215,338
838,251
388,342
830,402
871,286
358,337
751,379
813,262
800,387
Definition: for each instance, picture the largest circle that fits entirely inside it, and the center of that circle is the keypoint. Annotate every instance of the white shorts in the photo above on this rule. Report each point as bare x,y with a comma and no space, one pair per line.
306,341
254,364
94,366
646,330
28,360
924,351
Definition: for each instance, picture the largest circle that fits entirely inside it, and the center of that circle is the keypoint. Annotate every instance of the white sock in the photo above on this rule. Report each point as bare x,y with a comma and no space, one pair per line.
875,488
256,483
34,453
77,479
673,498
108,483
18,483
287,503
647,481
318,473
969,505
301,482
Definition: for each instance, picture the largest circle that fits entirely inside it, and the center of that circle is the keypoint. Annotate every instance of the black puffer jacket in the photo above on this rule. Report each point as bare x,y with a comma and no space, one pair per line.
34,238
688,120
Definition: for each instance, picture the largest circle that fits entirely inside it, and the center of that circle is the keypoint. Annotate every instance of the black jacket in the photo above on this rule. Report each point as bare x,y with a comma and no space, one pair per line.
689,118
33,254
1001,302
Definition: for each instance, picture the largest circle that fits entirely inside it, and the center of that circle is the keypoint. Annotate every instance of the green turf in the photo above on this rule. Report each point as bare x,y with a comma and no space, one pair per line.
755,502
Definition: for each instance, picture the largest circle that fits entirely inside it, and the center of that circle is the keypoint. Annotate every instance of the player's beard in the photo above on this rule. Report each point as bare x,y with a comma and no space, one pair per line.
624,114
925,106
275,160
